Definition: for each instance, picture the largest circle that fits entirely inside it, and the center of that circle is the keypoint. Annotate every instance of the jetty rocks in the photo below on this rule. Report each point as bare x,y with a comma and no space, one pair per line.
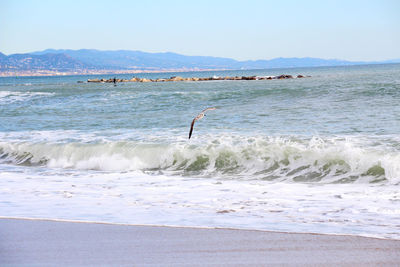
196,79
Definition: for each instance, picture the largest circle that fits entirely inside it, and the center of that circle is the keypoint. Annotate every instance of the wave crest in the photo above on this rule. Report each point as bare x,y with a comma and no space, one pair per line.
274,159
7,97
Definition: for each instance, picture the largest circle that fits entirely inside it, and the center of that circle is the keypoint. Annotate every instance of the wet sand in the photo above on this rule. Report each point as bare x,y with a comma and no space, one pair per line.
58,243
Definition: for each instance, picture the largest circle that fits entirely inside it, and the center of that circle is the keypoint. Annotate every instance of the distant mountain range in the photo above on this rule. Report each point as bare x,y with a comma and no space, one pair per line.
90,61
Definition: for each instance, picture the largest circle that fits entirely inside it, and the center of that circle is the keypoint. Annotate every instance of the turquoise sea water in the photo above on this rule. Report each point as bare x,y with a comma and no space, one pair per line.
318,154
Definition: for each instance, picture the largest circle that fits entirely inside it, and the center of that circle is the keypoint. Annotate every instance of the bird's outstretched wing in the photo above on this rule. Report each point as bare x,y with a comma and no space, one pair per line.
208,109
191,128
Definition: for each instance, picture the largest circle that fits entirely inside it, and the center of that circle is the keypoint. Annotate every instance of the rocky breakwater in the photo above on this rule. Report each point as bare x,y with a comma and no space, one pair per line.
196,79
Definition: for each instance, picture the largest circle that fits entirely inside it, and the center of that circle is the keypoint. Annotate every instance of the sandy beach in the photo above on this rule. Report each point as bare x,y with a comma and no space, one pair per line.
58,243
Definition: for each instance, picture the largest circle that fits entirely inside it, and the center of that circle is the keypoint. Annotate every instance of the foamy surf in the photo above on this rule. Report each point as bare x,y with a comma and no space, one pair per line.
295,159
135,197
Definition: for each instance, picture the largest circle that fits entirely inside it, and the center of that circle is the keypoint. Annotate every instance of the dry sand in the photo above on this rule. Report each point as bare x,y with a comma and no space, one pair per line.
55,243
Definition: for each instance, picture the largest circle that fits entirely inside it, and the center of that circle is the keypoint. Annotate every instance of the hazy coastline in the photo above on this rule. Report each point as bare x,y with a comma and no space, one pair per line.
53,62
95,72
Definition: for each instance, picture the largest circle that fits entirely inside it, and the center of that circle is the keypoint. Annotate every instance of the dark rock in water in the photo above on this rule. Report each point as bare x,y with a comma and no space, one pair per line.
284,76
300,76
80,81
248,78
176,79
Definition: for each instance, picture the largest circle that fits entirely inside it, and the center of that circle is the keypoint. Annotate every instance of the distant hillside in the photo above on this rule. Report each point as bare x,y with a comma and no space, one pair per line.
123,59
49,61
90,60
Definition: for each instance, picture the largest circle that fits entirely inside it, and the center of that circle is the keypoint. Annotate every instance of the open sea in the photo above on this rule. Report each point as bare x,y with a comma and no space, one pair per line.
318,154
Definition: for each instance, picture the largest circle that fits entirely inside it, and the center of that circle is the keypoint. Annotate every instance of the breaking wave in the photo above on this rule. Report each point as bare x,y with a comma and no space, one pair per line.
275,159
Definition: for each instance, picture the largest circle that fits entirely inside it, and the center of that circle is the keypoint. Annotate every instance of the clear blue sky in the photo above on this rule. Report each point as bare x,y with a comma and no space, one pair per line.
352,30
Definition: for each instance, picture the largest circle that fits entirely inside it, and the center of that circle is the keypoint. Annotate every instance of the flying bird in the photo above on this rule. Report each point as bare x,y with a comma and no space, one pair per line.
198,117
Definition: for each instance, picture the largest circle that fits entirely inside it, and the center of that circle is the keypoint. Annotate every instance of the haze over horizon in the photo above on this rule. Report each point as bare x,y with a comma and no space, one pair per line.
177,53
251,30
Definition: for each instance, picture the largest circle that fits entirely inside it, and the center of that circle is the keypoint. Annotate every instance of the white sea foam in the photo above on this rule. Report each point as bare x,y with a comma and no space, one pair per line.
7,97
339,160
134,197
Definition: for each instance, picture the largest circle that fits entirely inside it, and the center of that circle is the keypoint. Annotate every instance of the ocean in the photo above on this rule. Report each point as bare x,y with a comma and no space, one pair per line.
317,155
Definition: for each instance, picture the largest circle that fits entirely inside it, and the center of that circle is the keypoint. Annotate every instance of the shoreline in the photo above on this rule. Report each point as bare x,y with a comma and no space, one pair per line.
53,243
195,227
